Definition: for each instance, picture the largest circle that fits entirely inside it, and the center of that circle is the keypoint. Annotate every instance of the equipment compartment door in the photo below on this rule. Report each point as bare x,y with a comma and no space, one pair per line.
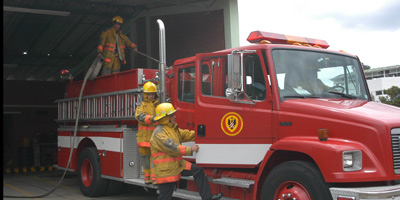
228,133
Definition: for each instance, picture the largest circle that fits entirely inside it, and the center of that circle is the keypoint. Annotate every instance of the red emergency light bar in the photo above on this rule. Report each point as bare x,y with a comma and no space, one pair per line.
275,38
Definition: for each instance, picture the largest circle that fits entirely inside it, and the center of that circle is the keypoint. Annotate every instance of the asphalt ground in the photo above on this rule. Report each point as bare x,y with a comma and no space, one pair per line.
34,184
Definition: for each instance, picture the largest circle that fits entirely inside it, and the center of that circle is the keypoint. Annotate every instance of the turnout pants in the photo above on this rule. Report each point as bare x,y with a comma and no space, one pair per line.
166,189
111,65
147,165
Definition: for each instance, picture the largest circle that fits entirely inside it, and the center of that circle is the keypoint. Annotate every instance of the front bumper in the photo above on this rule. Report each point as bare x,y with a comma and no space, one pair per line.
381,192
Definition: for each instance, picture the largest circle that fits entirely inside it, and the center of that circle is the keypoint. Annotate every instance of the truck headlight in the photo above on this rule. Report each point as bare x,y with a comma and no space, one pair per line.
352,160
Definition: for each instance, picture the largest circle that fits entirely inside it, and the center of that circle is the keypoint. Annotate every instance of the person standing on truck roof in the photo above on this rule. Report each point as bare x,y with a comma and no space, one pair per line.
112,46
144,114
167,151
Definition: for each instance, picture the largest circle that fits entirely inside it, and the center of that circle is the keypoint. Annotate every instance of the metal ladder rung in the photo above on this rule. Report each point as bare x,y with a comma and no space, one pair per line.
107,106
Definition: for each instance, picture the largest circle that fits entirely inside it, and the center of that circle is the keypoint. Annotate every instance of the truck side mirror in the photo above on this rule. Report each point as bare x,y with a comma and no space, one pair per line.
235,78
230,94
234,75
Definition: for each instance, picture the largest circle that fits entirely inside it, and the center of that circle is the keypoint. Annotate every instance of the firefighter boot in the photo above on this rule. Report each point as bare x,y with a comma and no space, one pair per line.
145,161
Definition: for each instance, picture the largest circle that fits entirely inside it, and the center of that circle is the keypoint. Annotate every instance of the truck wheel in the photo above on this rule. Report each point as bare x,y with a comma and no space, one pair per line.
89,168
114,187
295,179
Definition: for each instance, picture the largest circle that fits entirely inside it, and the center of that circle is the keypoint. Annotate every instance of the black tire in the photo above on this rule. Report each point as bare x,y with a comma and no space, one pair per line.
89,168
114,187
301,179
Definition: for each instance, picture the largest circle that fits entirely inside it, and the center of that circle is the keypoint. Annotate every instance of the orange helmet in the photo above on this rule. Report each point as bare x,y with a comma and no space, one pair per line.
163,110
118,19
149,87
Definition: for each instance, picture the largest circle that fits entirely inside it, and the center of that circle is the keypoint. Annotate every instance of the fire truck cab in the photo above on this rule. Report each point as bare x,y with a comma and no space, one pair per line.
283,118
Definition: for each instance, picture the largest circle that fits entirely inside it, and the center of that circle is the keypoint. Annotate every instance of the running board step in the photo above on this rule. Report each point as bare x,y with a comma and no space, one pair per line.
139,182
243,183
186,194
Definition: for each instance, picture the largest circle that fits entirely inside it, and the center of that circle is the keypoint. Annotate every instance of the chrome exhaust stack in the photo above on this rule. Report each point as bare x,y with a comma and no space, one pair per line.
162,65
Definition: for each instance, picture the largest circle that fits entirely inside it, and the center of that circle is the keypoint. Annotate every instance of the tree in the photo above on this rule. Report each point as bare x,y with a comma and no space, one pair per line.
365,67
394,96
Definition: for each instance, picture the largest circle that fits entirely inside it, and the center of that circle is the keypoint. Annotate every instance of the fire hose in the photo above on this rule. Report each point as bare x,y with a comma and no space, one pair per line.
147,56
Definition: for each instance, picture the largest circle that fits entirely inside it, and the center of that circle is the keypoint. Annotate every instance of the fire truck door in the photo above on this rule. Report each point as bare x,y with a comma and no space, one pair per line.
230,133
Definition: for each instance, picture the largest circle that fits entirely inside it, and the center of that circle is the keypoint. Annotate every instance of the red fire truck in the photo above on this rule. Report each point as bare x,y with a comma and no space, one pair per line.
283,118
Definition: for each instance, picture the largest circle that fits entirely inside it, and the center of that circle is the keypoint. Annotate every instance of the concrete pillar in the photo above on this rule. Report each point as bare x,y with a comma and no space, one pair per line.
231,21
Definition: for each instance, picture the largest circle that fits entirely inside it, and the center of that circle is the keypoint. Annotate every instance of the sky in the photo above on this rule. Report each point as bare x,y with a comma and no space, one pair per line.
369,29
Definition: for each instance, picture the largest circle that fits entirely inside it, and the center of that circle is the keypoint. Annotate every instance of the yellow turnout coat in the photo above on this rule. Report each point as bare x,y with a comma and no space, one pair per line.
143,114
107,45
167,151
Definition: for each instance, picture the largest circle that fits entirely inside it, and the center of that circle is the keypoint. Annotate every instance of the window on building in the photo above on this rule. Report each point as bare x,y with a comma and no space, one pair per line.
379,92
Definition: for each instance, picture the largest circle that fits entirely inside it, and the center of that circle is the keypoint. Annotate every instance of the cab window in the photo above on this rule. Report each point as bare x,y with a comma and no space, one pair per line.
214,77
186,86
254,83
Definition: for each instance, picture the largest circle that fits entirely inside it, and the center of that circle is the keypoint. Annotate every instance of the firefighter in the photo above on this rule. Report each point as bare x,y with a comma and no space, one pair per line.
313,83
305,77
167,152
144,114
112,46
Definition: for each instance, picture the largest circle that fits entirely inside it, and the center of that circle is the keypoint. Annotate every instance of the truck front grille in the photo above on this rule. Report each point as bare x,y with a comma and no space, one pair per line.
395,133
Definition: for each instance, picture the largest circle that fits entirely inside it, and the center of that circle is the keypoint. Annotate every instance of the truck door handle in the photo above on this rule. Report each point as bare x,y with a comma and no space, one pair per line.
201,130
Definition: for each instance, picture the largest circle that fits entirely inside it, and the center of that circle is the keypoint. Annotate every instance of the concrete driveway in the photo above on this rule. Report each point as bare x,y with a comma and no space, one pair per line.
34,184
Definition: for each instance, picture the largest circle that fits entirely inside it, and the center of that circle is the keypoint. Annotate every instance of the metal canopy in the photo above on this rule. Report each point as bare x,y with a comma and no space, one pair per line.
60,34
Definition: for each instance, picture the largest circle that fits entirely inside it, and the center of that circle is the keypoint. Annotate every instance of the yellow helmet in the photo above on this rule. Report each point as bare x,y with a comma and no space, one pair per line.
163,110
118,19
149,87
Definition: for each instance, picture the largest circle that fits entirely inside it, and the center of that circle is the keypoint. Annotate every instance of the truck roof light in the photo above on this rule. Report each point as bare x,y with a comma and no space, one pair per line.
323,134
275,38
265,42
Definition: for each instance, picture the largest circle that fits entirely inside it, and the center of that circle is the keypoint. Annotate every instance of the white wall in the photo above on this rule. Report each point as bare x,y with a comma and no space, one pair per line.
380,84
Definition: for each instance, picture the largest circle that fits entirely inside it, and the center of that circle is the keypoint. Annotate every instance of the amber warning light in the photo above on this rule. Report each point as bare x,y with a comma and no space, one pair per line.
261,37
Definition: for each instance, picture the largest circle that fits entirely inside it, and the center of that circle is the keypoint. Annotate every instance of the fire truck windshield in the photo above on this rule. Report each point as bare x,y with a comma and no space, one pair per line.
311,74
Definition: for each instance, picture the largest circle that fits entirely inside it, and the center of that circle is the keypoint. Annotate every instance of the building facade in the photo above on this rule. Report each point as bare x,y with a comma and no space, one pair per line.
380,79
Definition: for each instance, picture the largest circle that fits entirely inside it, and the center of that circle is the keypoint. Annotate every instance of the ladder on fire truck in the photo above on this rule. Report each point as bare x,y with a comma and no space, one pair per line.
118,105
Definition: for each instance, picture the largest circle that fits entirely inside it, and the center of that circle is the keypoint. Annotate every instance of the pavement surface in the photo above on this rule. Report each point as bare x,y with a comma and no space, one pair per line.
35,184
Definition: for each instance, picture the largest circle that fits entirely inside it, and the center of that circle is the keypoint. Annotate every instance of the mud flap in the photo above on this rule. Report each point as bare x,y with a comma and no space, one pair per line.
96,66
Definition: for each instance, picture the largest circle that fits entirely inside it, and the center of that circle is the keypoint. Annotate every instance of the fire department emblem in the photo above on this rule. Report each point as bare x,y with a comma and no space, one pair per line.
231,124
